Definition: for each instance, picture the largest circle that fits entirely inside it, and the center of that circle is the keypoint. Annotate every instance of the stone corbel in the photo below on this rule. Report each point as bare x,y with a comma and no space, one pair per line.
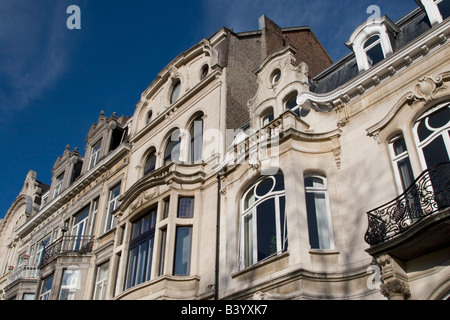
337,150
392,288
342,113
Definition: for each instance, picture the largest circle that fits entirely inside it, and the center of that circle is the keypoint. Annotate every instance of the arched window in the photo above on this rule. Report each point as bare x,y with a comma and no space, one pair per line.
263,220
402,165
432,133
150,163
196,143
291,103
437,10
318,212
175,91
374,50
149,117
204,72
267,117
172,150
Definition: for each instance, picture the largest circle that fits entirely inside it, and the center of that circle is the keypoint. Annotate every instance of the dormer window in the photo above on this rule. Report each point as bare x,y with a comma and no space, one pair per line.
58,185
371,42
95,154
437,10
374,50
267,117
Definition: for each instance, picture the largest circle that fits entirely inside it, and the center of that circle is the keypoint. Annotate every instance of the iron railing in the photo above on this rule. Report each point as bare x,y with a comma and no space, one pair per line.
67,244
429,194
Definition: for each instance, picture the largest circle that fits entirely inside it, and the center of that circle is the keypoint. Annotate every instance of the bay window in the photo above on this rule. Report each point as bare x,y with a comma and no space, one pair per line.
140,253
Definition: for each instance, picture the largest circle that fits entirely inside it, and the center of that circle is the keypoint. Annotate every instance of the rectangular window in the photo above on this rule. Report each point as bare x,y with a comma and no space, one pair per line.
141,250
185,207
113,203
182,251
46,289
28,296
58,185
318,213
69,284
101,281
94,209
95,154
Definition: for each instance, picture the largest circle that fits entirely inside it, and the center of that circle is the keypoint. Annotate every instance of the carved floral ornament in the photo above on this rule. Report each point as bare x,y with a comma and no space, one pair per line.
426,89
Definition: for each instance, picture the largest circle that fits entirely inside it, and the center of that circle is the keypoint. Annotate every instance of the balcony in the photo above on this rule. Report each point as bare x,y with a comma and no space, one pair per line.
21,274
67,245
416,222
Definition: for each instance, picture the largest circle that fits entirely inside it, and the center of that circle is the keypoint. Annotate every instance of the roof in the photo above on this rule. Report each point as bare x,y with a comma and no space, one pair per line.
411,26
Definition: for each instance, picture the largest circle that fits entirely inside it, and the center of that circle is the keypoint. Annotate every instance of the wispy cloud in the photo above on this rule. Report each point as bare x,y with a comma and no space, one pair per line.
33,53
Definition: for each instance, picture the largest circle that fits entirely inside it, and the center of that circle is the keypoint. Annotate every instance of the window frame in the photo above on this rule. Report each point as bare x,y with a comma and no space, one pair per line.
396,159
95,154
195,150
113,204
139,240
329,221
100,284
70,287
420,145
175,91
248,244
59,180
174,144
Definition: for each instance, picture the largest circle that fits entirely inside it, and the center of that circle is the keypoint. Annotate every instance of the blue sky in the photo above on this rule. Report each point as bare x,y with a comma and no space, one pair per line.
54,81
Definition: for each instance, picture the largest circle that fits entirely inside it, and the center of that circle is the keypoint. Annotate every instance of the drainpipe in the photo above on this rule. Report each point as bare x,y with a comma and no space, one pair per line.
216,286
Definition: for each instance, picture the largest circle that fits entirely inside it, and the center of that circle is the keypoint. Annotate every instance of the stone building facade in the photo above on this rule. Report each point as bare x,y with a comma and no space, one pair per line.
255,168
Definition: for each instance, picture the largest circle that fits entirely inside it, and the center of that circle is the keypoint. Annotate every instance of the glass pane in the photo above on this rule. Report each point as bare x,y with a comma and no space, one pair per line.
399,146
422,131
439,119
283,223
248,240
150,164
47,286
375,54
318,226
132,264
314,182
149,259
102,272
291,103
142,259
172,151
183,251
371,41
196,146
266,229
436,152
186,208
264,187
249,199
175,92
444,8
406,174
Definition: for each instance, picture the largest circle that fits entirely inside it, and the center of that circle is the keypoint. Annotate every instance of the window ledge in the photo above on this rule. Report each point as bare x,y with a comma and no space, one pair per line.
260,264
324,252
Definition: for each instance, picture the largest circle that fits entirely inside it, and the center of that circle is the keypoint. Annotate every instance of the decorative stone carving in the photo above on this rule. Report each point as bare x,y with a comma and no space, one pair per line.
425,90
392,287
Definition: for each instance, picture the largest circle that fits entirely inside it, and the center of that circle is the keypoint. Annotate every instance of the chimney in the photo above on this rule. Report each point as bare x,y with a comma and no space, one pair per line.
272,37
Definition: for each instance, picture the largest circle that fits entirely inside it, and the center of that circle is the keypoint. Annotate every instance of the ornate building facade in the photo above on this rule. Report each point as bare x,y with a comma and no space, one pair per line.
254,167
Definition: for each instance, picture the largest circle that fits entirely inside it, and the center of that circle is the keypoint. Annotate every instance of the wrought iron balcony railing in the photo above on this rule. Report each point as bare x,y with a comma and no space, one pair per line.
429,194
67,244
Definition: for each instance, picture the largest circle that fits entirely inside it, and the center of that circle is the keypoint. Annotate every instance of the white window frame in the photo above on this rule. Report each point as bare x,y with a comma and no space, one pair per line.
433,12
46,295
58,185
100,283
244,261
396,159
72,285
113,203
95,154
439,132
322,190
